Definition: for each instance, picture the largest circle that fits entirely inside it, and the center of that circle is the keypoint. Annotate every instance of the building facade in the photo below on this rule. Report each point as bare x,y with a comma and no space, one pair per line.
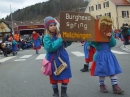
118,10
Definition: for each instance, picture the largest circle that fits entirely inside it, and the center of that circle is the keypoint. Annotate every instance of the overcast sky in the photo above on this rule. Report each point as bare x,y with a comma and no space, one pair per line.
15,5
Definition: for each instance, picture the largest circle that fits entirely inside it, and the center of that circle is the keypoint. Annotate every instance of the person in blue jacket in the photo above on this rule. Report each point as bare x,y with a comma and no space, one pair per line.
55,46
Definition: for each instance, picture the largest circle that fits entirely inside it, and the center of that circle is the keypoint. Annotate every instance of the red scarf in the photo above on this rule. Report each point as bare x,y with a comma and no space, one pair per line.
35,36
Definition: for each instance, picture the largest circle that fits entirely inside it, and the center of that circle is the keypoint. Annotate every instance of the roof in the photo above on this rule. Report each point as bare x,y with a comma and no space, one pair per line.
22,23
121,2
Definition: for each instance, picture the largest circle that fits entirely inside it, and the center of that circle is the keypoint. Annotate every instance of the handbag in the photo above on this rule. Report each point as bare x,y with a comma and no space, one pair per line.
46,67
61,68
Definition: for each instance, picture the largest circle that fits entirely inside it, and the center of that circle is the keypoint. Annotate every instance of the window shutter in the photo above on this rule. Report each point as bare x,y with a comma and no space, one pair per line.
89,9
108,3
122,14
128,14
110,14
104,4
92,8
100,6
96,7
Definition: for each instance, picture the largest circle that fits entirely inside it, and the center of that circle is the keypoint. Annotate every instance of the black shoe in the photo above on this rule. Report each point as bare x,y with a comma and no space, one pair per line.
13,53
56,95
5,54
85,69
56,92
63,92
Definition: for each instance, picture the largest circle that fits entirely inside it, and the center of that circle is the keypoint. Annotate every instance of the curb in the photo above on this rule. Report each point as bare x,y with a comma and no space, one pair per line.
125,48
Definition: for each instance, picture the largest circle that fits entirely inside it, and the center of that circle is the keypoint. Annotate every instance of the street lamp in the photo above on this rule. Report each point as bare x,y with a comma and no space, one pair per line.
12,20
0,15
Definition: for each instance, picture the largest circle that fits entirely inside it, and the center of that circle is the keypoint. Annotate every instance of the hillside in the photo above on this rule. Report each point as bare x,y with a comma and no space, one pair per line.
49,8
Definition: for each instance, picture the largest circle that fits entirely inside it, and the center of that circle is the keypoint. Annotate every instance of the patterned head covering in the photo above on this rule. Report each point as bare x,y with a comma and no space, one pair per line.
48,20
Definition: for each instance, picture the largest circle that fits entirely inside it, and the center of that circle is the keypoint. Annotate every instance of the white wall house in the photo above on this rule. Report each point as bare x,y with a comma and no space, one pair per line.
118,10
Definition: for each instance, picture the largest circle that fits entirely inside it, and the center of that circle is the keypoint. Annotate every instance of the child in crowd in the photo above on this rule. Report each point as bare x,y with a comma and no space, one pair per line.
89,52
55,47
14,46
105,62
36,41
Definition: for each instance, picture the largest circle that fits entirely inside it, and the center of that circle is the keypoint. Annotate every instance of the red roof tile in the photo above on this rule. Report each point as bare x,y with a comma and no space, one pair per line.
121,2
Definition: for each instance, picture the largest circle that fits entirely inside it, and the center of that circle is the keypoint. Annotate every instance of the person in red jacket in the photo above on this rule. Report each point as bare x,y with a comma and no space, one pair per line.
36,41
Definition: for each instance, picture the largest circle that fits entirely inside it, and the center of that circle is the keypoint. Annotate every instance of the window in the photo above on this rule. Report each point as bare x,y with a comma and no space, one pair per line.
125,14
98,6
98,16
91,8
108,14
106,4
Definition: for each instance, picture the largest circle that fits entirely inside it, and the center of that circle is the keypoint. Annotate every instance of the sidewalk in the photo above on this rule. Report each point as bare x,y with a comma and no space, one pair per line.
125,48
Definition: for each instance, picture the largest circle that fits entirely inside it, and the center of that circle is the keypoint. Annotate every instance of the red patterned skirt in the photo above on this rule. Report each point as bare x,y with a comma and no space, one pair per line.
37,48
58,81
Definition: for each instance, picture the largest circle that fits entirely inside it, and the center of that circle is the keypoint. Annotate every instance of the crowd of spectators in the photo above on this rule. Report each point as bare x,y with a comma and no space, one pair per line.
123,33
23,43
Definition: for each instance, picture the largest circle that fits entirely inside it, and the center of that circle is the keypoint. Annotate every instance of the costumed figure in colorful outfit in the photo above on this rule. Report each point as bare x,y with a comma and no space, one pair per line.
117,33
105,63
36,41
55,46
89,52
17,39
14,47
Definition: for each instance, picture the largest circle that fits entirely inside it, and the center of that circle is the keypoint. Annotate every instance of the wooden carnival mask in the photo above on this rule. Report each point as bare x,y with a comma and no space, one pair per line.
105,25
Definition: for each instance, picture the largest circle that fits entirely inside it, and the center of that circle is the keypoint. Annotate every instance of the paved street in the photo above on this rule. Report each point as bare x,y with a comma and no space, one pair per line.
20,75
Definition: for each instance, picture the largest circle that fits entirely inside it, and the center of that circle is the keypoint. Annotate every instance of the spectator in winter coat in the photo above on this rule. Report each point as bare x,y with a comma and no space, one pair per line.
124,32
